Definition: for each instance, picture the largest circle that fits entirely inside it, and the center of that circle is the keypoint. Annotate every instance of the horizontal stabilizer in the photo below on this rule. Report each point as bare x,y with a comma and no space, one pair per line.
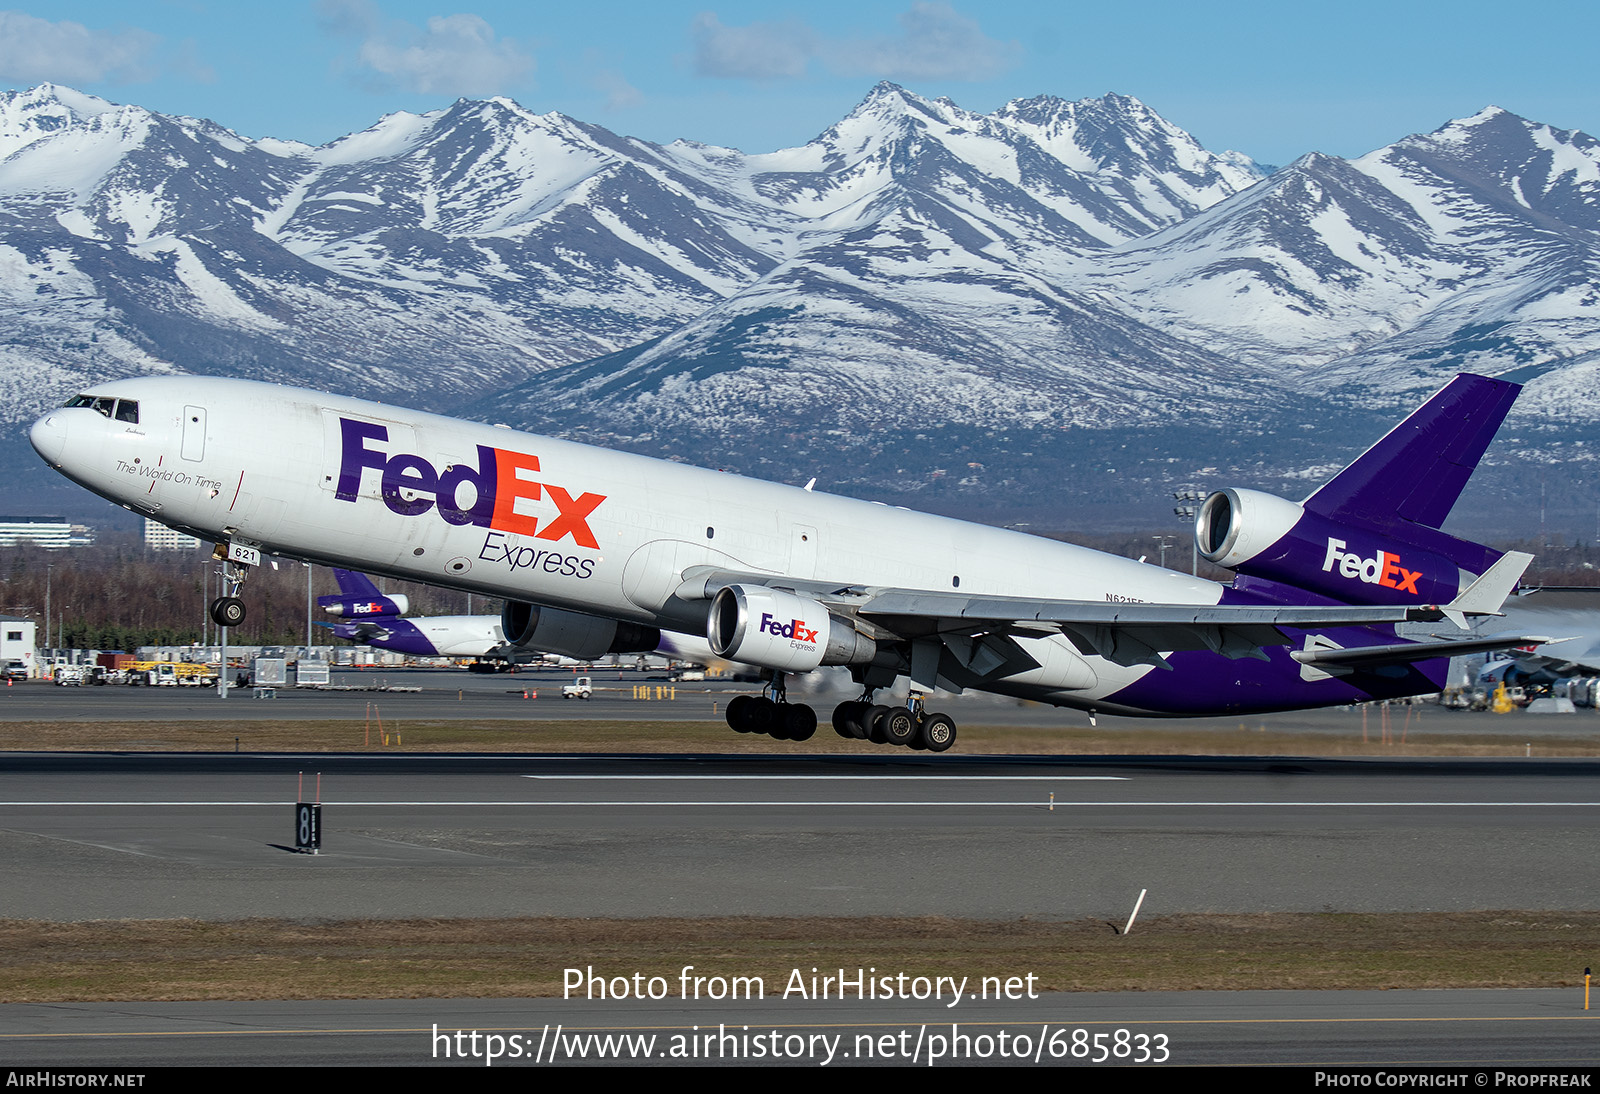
1406,652
1487,595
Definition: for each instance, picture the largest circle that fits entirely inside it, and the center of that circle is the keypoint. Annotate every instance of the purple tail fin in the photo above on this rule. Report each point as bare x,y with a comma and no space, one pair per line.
1372,534
352,583
1417,471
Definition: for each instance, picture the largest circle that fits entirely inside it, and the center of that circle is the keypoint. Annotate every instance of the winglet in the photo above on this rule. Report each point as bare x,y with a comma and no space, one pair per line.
1486,595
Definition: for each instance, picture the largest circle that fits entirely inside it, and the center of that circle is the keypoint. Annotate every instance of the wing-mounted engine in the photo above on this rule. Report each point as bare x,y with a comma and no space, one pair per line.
365,607
1261,535
572,634
780,630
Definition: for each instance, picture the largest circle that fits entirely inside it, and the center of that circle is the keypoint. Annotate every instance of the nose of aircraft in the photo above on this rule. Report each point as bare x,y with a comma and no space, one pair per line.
49,437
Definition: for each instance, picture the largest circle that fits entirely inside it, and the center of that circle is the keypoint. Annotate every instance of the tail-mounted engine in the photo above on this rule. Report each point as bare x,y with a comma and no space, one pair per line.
572,634
779,630
359,607
1264,536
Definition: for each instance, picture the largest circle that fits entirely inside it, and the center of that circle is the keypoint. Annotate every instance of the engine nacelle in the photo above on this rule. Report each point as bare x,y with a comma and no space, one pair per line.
779,630
360,607
572,634
1260,535
1234,526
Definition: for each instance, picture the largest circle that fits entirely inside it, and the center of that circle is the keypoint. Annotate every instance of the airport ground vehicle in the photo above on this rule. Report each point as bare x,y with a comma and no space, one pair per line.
581,688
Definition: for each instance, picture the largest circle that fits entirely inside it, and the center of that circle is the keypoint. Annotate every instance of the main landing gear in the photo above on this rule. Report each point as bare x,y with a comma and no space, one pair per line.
910,726
772,713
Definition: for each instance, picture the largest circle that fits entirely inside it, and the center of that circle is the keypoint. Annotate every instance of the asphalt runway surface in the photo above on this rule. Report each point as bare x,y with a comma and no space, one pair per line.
210,835
86,836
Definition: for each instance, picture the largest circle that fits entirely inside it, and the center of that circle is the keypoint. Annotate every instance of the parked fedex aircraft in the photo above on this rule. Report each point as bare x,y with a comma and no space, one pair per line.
368,616
1572,612
373,618
597,551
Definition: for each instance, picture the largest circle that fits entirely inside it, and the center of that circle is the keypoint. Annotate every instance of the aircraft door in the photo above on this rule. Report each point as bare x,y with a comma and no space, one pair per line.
194,433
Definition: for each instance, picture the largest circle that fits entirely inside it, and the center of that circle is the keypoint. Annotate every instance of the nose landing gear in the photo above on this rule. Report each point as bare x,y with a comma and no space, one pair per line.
229,610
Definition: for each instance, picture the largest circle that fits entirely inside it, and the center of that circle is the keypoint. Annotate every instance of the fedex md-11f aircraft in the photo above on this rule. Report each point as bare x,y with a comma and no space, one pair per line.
597,552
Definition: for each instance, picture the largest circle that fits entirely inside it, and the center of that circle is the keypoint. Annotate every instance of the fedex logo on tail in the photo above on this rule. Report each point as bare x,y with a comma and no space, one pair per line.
1382,568
795,629
497,483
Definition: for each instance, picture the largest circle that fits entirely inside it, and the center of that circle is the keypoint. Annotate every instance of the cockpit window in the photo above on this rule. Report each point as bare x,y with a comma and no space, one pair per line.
123,410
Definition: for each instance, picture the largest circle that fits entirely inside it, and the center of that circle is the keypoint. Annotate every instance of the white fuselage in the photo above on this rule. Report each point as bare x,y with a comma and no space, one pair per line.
305,475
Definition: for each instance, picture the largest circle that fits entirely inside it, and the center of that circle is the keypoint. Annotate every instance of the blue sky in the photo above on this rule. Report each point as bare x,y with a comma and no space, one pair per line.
1273,80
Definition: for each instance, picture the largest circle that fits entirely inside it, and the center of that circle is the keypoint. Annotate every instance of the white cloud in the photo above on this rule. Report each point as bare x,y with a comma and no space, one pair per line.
35,50
452,55
620,94
935,42
760,51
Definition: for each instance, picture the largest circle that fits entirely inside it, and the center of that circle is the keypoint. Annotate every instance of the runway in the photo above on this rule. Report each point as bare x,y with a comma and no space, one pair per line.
210,836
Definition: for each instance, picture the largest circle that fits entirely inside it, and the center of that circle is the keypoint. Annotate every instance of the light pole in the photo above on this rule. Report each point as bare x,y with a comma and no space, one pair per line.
1163,542
1189,497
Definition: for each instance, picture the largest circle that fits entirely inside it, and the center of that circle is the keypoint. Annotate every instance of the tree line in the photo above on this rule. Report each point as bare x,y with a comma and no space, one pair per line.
119,594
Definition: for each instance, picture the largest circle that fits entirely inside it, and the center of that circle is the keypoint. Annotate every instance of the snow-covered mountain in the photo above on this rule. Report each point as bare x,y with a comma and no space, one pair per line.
922,299
1471,248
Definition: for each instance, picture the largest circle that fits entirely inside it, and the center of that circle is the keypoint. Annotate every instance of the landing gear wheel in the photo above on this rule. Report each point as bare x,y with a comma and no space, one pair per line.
938,732
898,726
847,719
799,722
872,722
761,715
738,714
778,728
227,611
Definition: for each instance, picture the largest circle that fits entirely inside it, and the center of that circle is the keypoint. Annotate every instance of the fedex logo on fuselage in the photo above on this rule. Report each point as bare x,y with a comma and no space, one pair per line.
1381,569
497,484
371,607
795,629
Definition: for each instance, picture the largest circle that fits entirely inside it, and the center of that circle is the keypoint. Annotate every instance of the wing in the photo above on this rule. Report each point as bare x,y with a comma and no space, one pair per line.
980,630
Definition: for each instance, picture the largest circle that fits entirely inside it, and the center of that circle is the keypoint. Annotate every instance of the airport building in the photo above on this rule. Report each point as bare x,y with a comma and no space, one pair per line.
50,532
158,537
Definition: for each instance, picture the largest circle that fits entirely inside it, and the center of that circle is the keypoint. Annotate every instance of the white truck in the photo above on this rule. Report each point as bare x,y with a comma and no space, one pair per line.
581,688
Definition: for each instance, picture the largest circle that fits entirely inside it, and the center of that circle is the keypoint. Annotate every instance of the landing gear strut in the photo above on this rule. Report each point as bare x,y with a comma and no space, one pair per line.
772,713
